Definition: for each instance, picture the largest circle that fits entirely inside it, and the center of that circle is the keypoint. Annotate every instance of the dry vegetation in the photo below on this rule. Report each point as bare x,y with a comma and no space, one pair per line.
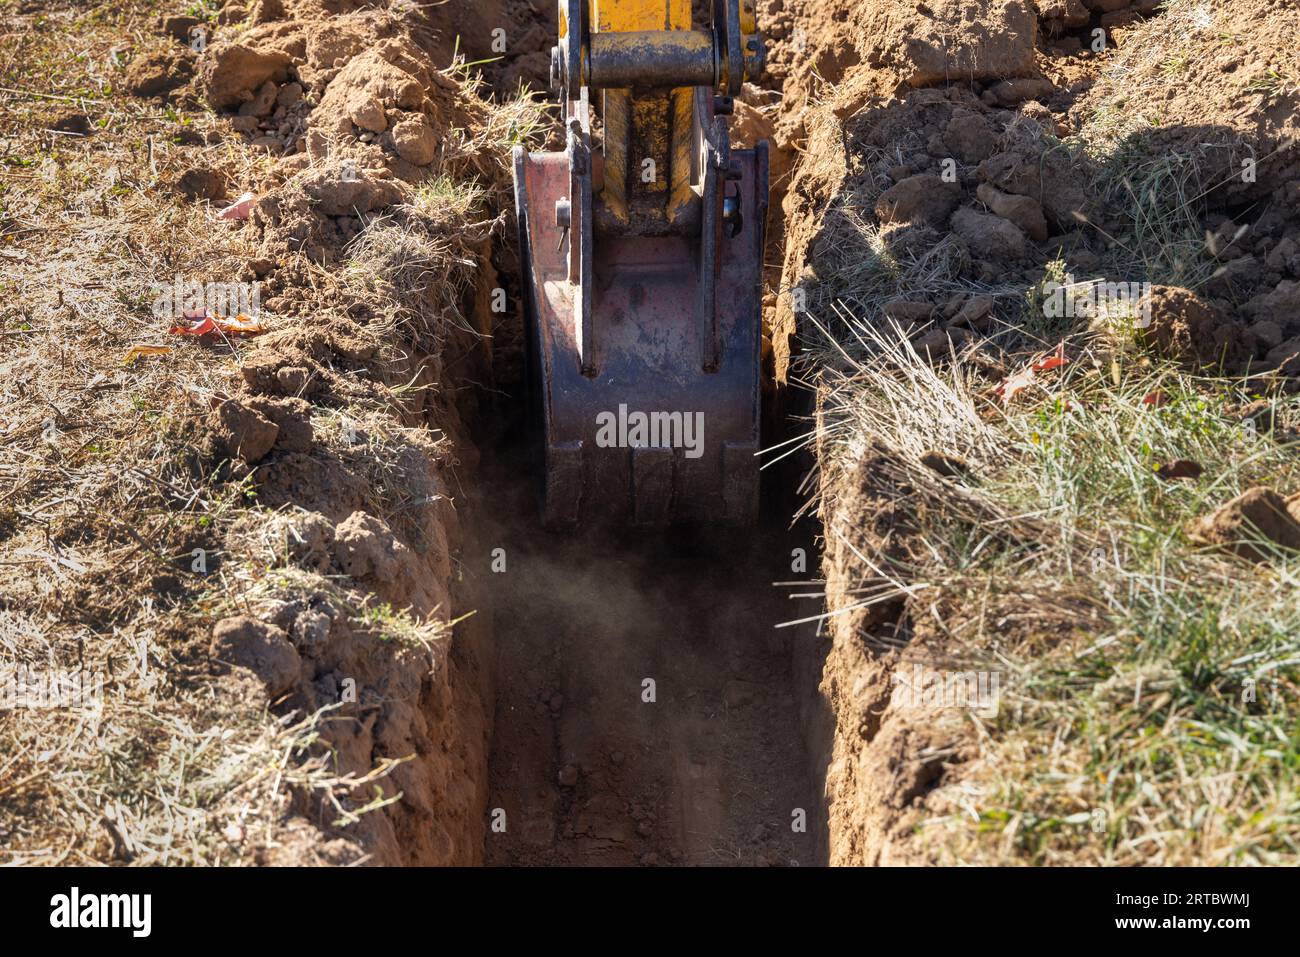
110,482
1150,683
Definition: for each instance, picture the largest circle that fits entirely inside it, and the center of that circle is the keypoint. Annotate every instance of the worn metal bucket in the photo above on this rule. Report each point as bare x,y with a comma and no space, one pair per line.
650,415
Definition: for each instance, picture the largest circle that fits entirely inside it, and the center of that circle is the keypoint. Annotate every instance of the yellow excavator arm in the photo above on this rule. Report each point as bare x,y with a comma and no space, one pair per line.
643,252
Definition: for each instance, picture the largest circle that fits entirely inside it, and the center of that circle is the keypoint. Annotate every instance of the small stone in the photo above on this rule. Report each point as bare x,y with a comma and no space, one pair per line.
988,235
200,183
369,115
154,74
262,103
973,311
967,136
180,27
244,432
924,197
1269,334
568,776
1023,211
907,311
290,94
292,380
415,140
1010,92
262,648
1253,525
934,345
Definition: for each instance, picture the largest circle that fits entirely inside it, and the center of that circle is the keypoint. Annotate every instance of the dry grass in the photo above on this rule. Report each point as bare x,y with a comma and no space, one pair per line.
102,478
107,486
1149,687
412,260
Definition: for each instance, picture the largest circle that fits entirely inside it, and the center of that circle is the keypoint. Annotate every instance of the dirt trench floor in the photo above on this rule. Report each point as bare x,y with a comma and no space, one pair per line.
646,709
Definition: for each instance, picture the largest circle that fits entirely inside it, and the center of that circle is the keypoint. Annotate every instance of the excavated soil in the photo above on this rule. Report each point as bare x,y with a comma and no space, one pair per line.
957,132
645,710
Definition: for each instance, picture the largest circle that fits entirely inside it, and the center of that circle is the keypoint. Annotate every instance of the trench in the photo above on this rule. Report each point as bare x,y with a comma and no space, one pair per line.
646,703
645,707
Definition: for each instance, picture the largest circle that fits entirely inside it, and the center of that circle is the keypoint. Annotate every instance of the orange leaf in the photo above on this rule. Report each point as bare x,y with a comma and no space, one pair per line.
201,323
1054,361
137,352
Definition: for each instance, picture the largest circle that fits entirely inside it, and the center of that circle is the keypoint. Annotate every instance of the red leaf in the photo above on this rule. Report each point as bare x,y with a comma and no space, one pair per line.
1054,361
202,323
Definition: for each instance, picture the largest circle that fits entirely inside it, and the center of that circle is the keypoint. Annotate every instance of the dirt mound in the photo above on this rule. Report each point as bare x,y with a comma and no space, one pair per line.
158,73
1190,330
1234,107
976,176
819,45
988,192
1213,126
1254,525
949,40
977,214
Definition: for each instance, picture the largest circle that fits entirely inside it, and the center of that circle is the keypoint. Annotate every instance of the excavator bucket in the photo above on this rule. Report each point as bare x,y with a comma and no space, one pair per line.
642,251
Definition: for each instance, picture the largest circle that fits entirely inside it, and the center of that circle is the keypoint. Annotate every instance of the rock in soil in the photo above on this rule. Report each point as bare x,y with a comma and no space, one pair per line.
1194,332
924,197
244,432
263,649
157,73
931,43
989,237
198,182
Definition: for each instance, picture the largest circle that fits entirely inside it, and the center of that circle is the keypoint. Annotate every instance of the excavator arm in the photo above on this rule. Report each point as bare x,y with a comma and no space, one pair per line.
642,246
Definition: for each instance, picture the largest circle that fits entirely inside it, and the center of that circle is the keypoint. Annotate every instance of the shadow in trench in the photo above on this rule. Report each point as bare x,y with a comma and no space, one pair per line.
648,709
